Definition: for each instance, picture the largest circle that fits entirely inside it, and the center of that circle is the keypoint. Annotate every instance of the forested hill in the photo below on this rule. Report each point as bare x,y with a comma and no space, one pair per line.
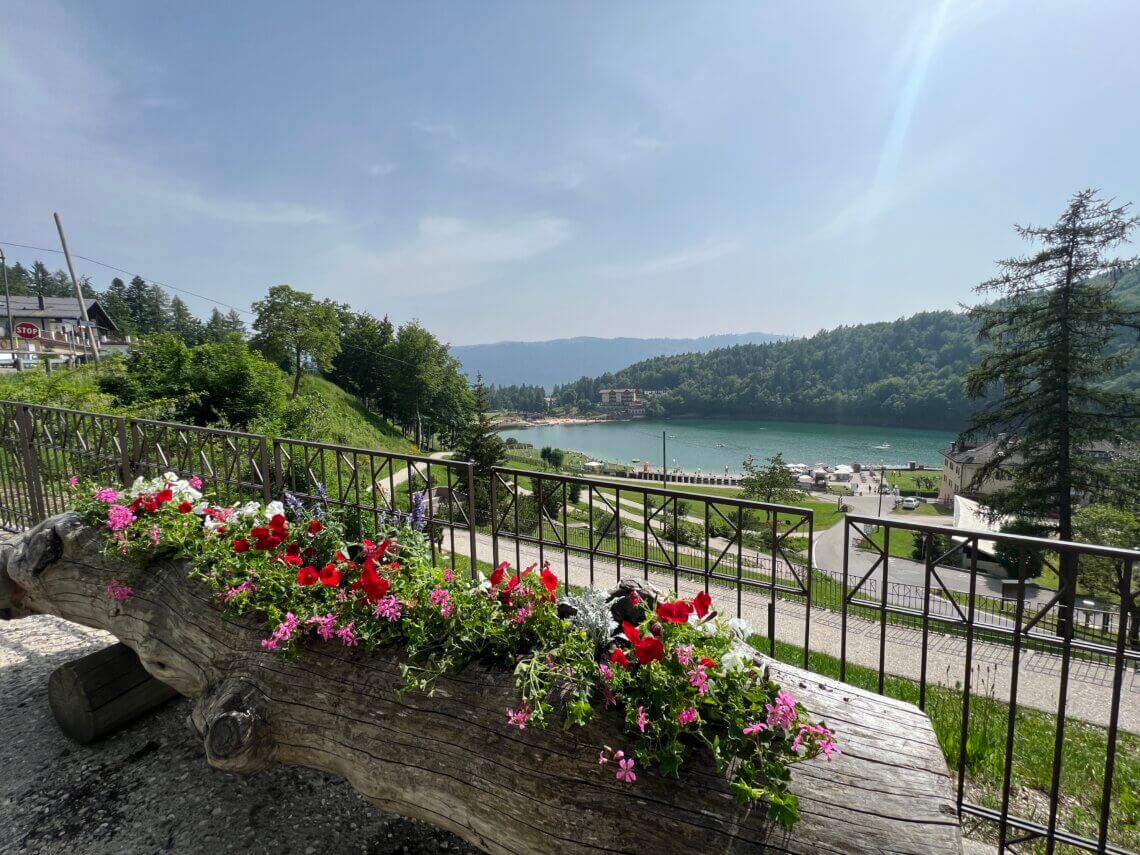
906,372
547,363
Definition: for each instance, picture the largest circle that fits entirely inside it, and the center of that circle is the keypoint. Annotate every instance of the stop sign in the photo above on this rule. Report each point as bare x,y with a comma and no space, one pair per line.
27,330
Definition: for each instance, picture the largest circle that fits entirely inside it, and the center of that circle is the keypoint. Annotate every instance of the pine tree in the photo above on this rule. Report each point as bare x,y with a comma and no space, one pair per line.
1052,338
183,323
115,301
216,328
234,323
479,442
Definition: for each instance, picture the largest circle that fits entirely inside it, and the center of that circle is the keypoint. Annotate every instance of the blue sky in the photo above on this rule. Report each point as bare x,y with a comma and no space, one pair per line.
540,170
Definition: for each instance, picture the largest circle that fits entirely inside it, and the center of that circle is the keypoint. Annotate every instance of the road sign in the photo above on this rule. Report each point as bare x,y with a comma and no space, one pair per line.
27,330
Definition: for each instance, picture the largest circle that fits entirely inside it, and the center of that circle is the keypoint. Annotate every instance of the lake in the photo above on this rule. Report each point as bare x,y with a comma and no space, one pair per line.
712,444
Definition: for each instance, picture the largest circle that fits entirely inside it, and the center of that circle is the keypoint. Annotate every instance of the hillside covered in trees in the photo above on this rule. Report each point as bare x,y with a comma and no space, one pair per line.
907,372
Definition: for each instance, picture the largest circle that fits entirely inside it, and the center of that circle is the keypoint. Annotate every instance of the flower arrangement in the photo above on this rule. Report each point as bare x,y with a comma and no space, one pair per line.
679,675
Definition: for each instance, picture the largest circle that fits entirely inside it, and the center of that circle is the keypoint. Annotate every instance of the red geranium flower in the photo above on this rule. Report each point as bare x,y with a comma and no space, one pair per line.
708,663
307,576
618,657
649,649
330,575
675,612
498,573
185,508
375,586
164,496
241,545
550,582
701,603
315,527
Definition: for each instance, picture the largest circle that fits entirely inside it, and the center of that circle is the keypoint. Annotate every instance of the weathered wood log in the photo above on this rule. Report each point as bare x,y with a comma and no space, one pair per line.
98,693
452,760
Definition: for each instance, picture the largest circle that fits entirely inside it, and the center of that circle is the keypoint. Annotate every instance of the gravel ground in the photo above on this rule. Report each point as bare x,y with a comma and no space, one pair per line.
148,788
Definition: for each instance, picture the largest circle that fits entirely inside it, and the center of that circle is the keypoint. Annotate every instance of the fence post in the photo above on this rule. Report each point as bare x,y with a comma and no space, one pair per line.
31,465
278,473
471,519
126,473
263,462
494,518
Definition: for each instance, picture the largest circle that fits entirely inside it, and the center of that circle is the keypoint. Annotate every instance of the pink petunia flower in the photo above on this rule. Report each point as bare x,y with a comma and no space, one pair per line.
118,590
625,774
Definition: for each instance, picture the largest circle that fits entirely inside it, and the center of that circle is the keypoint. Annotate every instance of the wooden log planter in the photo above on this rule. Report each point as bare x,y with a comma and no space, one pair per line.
452,760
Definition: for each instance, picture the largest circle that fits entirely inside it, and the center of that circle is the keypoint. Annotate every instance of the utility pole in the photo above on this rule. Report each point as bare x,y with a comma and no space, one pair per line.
664,462
8,306
78,292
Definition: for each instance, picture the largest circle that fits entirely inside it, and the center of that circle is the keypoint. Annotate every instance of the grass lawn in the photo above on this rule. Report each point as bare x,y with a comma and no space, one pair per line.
1084,753
902,542
927,509
915,481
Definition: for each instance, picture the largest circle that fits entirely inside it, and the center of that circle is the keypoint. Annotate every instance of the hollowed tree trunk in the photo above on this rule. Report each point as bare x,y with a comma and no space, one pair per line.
451,759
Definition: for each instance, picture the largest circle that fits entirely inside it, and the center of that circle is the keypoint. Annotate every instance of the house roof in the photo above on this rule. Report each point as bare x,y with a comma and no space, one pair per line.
60,307
1003,447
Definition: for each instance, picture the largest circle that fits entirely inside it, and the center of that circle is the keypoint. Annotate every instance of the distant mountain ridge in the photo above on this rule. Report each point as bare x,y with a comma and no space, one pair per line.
550,363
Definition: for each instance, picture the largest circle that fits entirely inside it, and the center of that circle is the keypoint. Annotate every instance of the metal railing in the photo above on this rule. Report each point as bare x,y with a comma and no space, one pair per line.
858,621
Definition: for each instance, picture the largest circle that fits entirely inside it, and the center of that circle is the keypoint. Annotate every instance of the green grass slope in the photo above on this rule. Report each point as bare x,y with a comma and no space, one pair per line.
346,422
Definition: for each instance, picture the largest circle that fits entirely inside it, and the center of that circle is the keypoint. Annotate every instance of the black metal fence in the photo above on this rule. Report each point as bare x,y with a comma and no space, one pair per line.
879,619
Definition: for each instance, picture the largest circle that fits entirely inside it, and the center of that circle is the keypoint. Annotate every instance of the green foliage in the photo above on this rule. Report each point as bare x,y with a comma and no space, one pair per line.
1105,577
774,484
906,372
208,384
553,457
1009,556
522,399
479,443
292,327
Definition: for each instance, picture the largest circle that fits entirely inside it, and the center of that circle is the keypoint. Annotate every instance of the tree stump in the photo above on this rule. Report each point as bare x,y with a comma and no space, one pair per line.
100,692
452,760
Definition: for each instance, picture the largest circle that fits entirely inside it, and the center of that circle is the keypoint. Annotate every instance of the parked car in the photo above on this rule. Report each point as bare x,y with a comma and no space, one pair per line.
911,502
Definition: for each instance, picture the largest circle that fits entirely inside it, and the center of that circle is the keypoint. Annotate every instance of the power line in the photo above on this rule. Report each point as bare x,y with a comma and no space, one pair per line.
211,300
130,273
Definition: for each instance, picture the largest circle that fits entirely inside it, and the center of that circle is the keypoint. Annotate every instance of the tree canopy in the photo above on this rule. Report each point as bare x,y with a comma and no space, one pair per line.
293,327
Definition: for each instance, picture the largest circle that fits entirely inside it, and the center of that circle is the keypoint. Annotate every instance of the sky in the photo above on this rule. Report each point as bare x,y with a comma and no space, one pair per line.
528,171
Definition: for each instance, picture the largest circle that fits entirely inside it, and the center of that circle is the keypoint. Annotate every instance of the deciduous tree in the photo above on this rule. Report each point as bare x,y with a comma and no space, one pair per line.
293,327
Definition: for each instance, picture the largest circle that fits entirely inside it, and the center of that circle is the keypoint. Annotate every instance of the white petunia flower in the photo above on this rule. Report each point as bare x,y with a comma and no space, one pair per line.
740,628
249,509
273,509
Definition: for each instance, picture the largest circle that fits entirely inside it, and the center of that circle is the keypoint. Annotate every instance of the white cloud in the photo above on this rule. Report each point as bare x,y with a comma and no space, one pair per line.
705,252
450,253
436,129
381,168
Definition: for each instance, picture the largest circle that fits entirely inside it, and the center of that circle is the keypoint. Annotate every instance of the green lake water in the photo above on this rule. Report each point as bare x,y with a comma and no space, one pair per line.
712,444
